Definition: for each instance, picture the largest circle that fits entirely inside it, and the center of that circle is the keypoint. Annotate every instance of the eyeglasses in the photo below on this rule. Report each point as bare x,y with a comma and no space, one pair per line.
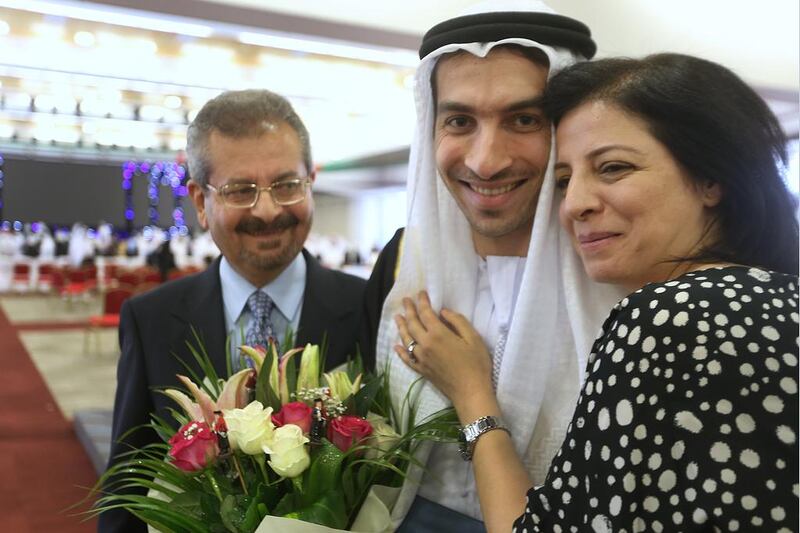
246,195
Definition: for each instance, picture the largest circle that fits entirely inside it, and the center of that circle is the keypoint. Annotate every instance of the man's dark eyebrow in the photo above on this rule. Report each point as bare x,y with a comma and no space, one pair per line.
456,107
452,107
526,104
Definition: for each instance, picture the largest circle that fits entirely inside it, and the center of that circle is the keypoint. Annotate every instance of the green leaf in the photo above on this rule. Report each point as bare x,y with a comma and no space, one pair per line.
360,403
189,503
288,340
324,474
329,511
252,515
156,511
323,352
349,488
264,392
164,429
291,375
206,366
288,504
233,512
210,506
355,365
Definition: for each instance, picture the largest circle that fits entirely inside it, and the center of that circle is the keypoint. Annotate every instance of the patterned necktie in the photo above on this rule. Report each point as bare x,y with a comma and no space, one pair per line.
260,329
497,354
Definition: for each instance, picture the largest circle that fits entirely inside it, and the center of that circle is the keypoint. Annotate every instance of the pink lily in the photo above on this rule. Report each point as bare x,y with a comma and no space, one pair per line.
283,385
233,396
255,354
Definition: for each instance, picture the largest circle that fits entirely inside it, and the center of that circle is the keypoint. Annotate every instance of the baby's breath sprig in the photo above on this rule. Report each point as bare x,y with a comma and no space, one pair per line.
333,407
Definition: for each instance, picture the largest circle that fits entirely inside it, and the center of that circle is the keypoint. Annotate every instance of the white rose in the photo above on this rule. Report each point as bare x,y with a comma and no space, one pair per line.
249,428
383,436
287,451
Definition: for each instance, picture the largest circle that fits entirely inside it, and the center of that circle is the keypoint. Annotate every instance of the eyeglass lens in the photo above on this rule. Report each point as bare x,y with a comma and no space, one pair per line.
246,194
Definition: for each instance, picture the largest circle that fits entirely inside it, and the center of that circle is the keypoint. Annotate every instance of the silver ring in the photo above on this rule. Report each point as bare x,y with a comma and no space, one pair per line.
410,350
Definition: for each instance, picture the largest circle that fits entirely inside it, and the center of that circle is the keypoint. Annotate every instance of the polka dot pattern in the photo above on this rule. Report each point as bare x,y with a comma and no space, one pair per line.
688,419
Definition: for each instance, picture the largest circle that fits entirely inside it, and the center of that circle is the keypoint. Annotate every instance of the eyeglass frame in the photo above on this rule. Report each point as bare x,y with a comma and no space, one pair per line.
306,181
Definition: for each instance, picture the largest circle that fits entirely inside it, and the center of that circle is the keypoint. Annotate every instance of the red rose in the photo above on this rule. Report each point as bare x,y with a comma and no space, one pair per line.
296,413
194,446
348,430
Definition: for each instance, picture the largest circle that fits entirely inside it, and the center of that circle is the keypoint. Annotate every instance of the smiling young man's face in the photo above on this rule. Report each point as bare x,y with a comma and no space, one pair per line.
492,144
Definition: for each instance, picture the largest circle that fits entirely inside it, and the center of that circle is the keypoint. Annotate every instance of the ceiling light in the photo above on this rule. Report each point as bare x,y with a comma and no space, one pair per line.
48,31
89,128
47,103
151,113
173,102
110,15
18,101
391,56
177,143
4,27
84,39
208,52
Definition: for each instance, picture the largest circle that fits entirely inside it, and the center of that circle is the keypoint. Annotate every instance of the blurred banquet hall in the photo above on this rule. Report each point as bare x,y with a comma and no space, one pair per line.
95,100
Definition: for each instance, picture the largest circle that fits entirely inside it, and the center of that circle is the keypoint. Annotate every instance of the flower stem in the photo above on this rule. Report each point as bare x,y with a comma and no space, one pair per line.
214,485
259,459
239,471
297,481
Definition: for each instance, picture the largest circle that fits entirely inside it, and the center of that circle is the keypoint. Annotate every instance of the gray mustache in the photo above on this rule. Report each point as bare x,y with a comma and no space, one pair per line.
255,225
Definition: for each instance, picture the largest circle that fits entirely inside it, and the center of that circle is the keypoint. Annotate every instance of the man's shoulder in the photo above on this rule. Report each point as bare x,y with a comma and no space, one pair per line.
170,291
348,280
334,277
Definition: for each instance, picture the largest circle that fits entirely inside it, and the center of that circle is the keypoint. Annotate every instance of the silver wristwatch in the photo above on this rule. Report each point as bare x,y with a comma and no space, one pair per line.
469,434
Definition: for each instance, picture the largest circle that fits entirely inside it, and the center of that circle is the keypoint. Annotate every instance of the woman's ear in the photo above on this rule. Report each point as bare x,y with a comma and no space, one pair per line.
711,193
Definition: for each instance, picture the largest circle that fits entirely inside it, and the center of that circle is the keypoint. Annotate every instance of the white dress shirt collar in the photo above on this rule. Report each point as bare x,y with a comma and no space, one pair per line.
286,290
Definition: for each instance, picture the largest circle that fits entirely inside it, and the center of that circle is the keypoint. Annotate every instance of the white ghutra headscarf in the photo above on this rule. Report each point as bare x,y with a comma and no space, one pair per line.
559,310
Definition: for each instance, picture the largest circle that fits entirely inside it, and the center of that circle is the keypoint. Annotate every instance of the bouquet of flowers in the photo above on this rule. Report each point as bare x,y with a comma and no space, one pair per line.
276,447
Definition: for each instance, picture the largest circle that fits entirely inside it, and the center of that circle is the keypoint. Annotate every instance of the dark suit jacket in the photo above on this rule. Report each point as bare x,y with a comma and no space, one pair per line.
380,283
154,330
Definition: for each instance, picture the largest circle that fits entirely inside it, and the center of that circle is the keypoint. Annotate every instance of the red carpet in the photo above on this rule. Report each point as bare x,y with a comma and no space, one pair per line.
42,465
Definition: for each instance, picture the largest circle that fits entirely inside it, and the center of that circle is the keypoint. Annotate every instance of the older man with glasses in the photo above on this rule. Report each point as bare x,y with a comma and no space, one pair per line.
250,162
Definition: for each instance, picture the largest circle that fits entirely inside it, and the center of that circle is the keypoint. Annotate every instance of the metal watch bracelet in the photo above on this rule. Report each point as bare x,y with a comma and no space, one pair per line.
471,432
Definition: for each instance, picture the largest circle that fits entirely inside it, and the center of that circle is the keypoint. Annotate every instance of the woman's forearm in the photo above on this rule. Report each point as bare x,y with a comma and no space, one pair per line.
502,479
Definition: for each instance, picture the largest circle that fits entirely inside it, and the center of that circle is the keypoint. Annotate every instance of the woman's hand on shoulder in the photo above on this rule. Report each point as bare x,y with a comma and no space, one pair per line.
446,350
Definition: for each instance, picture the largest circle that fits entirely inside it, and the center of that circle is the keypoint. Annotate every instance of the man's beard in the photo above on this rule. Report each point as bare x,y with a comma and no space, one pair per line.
270,255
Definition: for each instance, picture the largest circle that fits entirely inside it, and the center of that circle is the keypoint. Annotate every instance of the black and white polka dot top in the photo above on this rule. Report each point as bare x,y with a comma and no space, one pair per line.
688,418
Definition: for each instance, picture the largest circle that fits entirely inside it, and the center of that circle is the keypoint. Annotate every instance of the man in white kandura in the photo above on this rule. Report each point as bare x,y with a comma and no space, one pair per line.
483,229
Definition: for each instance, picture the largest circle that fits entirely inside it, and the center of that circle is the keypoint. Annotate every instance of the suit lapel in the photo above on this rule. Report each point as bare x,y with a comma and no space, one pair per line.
201,308
318,316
